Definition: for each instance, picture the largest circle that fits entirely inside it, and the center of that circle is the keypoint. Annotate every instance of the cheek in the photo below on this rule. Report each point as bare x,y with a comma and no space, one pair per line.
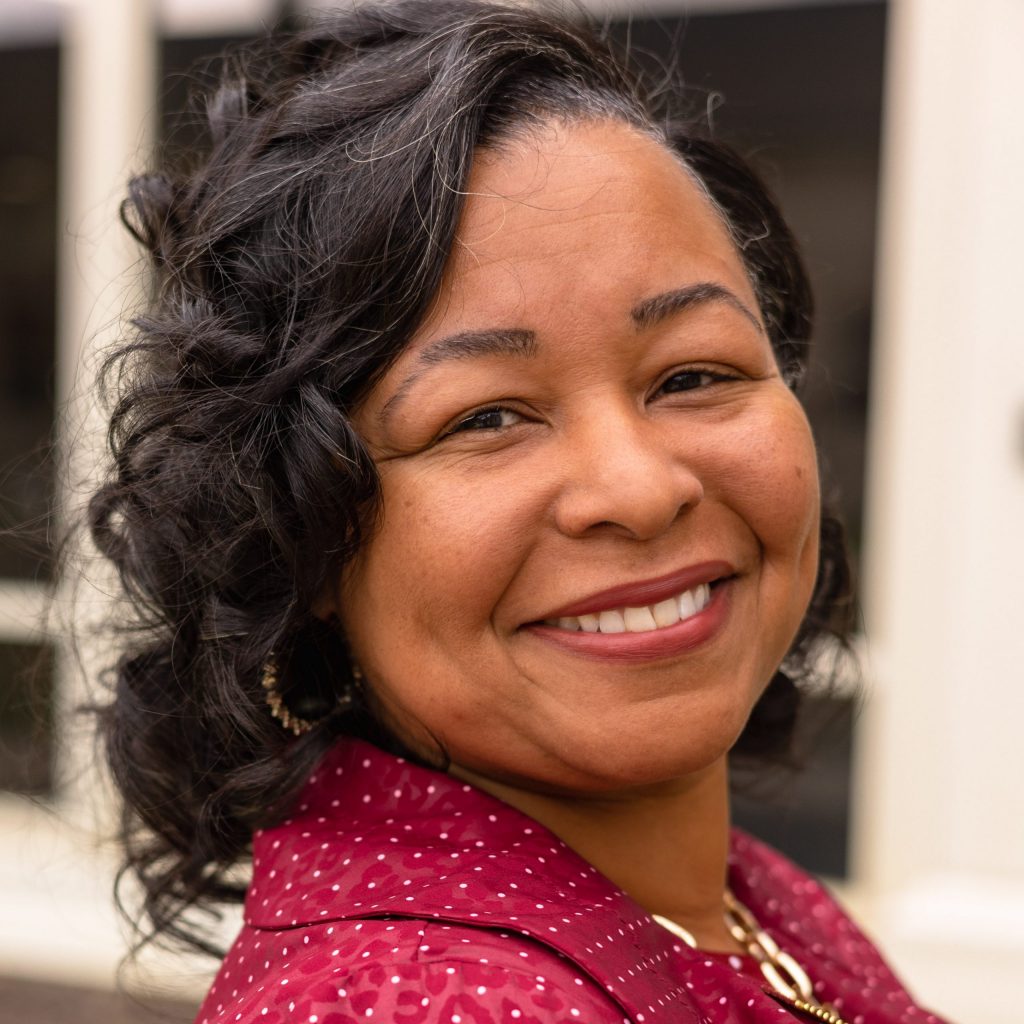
770,484
418,603
444,550
775,481
788,520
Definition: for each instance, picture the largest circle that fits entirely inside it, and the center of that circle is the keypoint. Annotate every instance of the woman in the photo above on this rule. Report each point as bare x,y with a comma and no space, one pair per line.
461,486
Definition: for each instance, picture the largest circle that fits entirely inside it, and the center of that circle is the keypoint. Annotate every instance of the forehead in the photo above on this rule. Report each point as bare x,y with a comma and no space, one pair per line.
579,214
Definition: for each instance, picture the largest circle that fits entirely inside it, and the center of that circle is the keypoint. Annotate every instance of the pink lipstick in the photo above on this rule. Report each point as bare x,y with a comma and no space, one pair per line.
647,620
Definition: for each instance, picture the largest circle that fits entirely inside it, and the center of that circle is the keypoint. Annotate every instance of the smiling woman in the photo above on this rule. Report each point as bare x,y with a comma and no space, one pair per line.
473,522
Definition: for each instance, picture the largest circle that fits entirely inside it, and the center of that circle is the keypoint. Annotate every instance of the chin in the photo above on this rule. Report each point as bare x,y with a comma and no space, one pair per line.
629,760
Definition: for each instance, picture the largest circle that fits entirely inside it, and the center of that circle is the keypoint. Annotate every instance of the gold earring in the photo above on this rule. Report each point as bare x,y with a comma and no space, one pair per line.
278,709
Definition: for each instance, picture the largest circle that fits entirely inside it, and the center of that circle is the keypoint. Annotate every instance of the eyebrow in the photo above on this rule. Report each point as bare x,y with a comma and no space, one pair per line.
501,341
652,311
514,341
487,342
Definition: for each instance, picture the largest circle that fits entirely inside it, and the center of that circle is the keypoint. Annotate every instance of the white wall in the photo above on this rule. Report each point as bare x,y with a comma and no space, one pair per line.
941,817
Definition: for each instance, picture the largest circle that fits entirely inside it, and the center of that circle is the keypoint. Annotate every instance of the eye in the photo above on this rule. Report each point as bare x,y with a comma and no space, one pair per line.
495,417
693,380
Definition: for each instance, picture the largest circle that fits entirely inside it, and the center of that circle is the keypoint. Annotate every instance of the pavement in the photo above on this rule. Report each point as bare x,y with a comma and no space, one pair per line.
40,1002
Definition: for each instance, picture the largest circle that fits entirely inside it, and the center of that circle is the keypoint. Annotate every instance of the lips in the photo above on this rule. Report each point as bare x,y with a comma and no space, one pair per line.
644,618
578,628
644,592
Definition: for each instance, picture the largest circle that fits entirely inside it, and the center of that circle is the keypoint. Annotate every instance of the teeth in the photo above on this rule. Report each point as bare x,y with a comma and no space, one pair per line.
666,613
643,619
611,622
639,620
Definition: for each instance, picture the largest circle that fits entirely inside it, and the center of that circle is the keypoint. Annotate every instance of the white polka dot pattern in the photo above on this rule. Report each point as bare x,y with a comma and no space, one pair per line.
396,893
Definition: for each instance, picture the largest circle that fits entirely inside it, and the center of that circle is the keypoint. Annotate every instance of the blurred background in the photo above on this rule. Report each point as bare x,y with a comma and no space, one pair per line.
892,134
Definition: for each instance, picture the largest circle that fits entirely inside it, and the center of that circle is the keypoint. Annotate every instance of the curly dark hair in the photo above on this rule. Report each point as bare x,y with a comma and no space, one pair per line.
293,260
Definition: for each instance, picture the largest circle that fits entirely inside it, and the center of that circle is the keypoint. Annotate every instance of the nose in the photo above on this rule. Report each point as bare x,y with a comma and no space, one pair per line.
626,473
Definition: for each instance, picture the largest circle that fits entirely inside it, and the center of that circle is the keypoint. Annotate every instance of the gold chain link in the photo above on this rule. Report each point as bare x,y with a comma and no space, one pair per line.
789,981
780,970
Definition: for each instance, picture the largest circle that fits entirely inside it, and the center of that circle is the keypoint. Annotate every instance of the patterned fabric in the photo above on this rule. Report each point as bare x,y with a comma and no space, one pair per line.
396,893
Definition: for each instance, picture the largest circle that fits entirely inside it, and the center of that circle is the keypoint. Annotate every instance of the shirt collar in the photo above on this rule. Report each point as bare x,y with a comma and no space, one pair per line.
374,835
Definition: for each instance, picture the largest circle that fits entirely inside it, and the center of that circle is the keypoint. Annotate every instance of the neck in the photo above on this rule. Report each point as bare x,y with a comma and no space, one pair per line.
665,847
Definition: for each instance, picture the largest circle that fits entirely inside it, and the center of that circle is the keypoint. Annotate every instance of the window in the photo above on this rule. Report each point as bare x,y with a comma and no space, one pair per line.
28,226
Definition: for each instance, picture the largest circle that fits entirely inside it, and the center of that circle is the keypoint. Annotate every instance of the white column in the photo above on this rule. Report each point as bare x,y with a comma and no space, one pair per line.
940,816
107,118
108,114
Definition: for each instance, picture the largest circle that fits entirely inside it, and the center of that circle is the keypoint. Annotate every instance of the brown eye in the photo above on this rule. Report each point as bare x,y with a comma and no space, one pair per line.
692,380
493,418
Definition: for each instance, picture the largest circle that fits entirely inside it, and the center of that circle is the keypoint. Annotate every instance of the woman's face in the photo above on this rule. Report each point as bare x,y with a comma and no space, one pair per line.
600,501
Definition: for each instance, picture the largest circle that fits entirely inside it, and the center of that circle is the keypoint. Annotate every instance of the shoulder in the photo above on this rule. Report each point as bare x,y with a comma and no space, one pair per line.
411,970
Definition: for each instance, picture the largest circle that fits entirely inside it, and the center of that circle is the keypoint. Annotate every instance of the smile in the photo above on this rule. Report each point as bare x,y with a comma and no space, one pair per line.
641,619
647,620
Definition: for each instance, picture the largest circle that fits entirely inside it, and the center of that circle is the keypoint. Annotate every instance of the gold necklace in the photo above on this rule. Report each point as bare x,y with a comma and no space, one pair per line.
789,981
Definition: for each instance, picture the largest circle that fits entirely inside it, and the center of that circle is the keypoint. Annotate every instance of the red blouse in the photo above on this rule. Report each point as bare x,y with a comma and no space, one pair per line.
396,893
